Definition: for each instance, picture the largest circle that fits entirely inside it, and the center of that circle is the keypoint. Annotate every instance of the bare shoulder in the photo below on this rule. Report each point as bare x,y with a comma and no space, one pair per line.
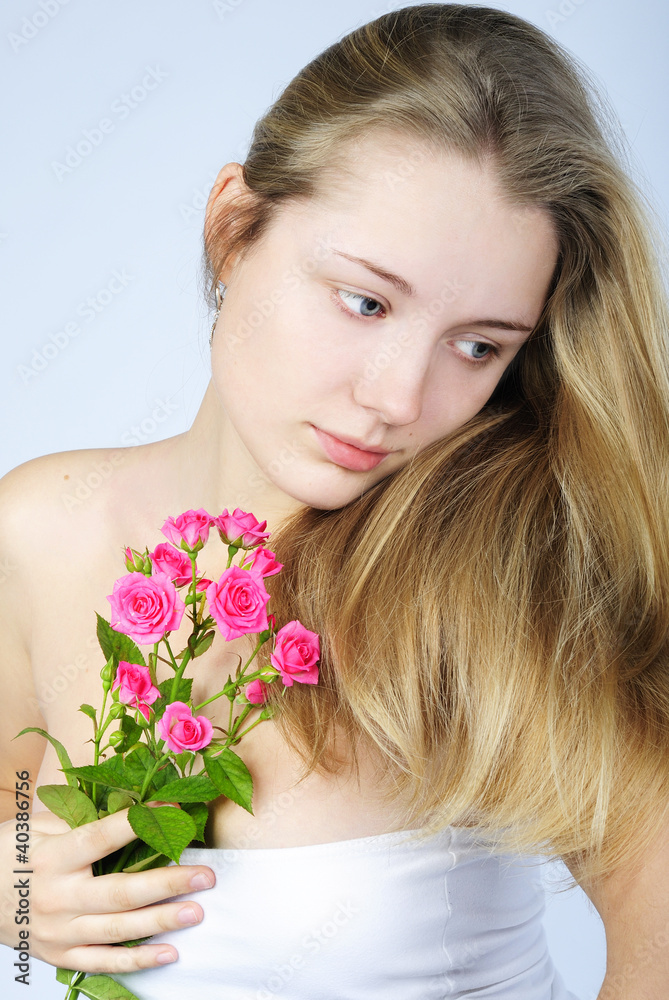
38,537
53,494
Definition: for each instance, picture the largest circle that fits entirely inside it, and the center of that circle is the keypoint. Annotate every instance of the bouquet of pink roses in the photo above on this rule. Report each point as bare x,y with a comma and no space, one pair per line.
148,739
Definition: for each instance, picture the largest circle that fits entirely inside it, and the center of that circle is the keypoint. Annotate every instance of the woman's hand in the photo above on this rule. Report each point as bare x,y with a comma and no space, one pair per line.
75,917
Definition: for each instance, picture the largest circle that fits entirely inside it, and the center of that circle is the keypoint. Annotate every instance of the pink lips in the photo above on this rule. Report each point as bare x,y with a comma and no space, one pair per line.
347,455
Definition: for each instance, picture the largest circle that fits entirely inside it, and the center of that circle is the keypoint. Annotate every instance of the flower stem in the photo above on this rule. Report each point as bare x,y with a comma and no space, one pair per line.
249,728
150,773
72,991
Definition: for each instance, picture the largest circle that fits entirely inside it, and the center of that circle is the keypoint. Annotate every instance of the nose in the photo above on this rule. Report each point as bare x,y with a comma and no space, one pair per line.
393,383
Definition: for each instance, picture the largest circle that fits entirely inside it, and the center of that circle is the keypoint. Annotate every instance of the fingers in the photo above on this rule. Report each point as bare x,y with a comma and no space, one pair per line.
45,821
132,890
101,959
95,840
111,928
104,911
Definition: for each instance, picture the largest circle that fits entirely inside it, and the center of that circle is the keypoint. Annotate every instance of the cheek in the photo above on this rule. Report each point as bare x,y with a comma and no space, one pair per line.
455,396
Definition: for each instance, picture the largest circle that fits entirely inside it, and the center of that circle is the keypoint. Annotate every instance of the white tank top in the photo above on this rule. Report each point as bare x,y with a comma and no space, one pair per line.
373,918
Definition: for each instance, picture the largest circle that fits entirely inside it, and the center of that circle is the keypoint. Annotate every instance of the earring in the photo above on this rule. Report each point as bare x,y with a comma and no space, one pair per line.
220,295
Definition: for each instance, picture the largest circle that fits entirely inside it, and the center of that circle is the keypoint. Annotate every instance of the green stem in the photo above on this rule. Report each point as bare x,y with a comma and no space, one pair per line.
150,773
172,661
125,854
248,730
180,672
96,741
240,718
72,991
153,658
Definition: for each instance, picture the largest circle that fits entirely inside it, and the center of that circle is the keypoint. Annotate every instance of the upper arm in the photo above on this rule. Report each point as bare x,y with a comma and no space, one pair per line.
21,497
634,908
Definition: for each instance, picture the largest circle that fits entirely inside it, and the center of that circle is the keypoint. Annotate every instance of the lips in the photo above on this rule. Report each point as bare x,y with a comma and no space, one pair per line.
348,455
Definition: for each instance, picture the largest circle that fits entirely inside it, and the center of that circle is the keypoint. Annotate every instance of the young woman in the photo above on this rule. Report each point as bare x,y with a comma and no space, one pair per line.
439,370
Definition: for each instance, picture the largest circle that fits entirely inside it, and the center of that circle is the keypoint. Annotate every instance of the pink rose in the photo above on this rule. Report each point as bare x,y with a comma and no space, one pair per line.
145,607
181,730
173,562
135,562
237,602
264,562
240,529
201,585
189,531
135,685
256,691
296,654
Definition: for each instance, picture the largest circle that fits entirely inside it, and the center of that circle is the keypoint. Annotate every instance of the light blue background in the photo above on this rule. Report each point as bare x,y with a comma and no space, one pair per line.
137,370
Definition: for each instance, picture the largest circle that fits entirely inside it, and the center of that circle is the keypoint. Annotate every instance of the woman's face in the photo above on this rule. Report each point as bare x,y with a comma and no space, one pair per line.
381,313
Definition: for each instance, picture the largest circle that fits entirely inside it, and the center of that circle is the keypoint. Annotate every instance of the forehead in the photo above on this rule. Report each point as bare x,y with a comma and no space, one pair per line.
434,217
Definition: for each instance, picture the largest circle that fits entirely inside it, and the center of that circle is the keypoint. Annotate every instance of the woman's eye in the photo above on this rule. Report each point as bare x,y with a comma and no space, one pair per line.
362,304
477,349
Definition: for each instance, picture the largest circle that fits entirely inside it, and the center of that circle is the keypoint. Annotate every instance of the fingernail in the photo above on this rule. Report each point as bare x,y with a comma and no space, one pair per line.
165,958
201,881
187,915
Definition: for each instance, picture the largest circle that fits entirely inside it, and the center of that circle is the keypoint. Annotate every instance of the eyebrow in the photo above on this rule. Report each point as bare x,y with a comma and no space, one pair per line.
408,289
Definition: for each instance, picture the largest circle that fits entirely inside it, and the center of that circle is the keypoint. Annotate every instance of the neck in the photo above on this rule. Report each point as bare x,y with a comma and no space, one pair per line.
214,470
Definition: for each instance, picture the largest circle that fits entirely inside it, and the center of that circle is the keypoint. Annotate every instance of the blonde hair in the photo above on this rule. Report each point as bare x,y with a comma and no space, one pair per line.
495,615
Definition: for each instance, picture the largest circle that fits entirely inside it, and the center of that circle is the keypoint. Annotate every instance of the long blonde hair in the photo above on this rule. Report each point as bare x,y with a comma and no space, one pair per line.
495,615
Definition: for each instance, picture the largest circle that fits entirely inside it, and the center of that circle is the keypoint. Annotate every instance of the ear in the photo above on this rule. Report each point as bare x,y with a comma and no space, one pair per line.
229,186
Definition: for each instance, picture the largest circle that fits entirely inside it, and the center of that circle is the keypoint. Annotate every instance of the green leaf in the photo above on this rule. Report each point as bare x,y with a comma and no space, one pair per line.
183,690
197,788
116,644
69,803
203,644
64,976
154,860
167,772
137,765
63,756
118,800
166,828
90,712
232,777
200,814
111,773
144,856
131,732
133,944
183,760
165,688
104,988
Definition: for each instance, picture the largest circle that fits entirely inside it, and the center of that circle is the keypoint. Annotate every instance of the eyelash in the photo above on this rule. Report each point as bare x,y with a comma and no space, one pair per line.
473,362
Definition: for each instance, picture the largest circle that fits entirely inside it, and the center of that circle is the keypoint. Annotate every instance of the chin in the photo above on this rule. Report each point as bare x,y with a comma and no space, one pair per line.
334,495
